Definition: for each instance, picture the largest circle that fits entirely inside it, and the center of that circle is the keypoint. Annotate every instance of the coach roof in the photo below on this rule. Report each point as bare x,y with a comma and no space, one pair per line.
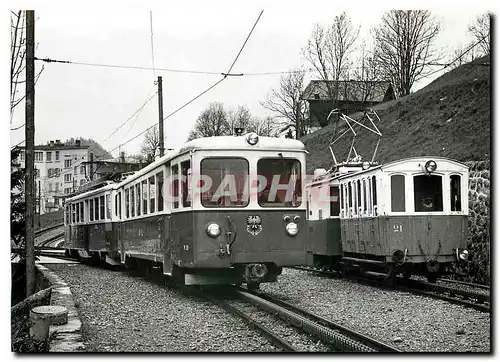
240,143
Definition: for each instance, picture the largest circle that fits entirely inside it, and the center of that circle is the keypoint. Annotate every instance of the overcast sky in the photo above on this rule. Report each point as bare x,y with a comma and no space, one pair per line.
91,102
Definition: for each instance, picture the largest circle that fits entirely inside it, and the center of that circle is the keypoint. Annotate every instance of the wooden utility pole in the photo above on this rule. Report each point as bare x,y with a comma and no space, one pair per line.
30,152
160,112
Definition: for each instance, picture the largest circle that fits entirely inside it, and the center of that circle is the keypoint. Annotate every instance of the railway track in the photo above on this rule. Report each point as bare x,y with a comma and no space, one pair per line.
467,294
338,337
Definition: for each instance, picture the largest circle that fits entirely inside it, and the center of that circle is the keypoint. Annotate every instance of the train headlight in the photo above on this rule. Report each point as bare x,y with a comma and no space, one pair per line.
252,139
286,218
365,165
430,166
463,254
213,230
296,218
292,228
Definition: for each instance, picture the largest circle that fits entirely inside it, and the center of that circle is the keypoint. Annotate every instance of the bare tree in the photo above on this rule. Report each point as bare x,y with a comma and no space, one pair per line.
367,76
151,145
403,46
329,48
17,58
289,108
239,117
480,29
263,127
213,121
462,55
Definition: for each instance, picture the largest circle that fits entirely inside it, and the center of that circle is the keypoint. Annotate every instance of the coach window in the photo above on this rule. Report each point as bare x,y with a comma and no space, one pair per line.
151,184
101,206
175,184
77,210
73,214
349,200
365,203
229,177
342,206
116,204
91,209
354,198
455,194
108,208
138,198
159,190
96,209
374,194
397,193
359,197
86,208
186,183
81,212
132,201
428,191
127,203
283,180
334,201
120,205
144,197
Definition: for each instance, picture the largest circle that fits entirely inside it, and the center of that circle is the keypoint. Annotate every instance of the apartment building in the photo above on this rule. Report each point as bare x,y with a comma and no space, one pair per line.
60,168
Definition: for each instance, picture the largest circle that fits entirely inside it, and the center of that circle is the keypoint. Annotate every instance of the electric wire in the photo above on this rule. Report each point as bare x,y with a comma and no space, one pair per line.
152,47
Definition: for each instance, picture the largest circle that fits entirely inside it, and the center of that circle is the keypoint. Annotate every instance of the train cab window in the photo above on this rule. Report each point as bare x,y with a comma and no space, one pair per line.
108,208
229,187
81,212
334,201
186,183
138,199
428,193
127,203
96,209
144,197
398,193
91,210
101,206
151,184
455,193
132,202
283,182
175,191
159,190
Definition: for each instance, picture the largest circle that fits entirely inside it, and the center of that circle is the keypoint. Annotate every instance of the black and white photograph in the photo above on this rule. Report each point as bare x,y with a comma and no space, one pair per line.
226,176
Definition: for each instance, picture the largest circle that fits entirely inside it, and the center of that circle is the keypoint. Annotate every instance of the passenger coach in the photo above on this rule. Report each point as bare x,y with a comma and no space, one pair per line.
221,210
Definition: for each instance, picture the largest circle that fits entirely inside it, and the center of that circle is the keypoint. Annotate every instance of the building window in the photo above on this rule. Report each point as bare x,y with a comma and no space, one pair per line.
22,155
75,169
57,155
82,170
67,163
67,191
67,177
56,187
49,156
398,193
82,182
455,193
37,173
38,156
50,187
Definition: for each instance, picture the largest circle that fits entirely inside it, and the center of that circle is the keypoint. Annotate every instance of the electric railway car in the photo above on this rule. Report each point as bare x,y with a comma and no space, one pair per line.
408,216
221,210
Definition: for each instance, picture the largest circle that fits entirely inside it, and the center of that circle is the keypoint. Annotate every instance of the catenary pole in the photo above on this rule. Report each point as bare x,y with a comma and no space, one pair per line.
30,152
160,113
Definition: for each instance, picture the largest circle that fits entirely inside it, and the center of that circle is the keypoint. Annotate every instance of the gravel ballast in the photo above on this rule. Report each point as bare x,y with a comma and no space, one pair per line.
406,321
125,313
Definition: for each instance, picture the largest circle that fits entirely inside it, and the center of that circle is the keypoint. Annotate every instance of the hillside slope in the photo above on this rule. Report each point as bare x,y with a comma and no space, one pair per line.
450,117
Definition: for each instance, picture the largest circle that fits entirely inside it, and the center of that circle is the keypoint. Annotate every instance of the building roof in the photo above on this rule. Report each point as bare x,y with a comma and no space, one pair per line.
350,90
58,146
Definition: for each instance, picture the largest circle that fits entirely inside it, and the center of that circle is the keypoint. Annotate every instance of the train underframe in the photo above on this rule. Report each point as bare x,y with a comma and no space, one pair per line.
383,267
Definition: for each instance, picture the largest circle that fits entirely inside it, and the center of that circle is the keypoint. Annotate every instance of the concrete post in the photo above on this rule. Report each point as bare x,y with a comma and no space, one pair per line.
44,316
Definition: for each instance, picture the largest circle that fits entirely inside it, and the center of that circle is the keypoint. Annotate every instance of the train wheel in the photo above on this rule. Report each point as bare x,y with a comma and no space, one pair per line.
406,277
253,286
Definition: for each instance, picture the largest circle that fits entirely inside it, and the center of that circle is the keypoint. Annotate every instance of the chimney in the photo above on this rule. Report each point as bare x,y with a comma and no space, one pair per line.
58,142
122,156
51,143
77,142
